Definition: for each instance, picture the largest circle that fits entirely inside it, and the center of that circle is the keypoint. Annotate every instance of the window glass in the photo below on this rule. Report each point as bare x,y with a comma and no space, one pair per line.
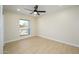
24,27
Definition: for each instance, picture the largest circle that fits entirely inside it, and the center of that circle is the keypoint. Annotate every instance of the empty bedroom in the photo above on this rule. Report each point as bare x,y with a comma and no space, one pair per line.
41,29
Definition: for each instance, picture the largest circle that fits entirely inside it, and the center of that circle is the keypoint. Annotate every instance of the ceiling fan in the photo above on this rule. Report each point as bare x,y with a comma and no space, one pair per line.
35,10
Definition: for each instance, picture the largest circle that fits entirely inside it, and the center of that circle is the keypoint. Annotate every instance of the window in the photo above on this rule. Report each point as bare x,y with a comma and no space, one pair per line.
24,27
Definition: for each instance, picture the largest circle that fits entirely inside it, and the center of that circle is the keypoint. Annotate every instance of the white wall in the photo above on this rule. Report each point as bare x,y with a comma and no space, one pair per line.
1,30
11,26
61,26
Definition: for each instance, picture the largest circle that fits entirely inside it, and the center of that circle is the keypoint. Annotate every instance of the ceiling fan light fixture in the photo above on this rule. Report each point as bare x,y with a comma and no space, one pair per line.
35,13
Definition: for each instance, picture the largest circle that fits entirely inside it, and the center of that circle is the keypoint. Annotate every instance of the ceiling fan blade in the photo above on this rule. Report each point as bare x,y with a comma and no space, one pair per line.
28,9
38,13
41,11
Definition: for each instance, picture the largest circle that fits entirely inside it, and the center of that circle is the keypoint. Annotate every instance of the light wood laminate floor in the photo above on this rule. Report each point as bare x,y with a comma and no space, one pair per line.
38,45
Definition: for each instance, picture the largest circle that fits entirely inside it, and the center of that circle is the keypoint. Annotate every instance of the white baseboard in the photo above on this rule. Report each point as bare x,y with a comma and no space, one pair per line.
18,39
68,43
11,41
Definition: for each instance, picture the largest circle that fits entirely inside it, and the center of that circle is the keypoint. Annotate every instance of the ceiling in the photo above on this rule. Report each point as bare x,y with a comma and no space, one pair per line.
47,8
